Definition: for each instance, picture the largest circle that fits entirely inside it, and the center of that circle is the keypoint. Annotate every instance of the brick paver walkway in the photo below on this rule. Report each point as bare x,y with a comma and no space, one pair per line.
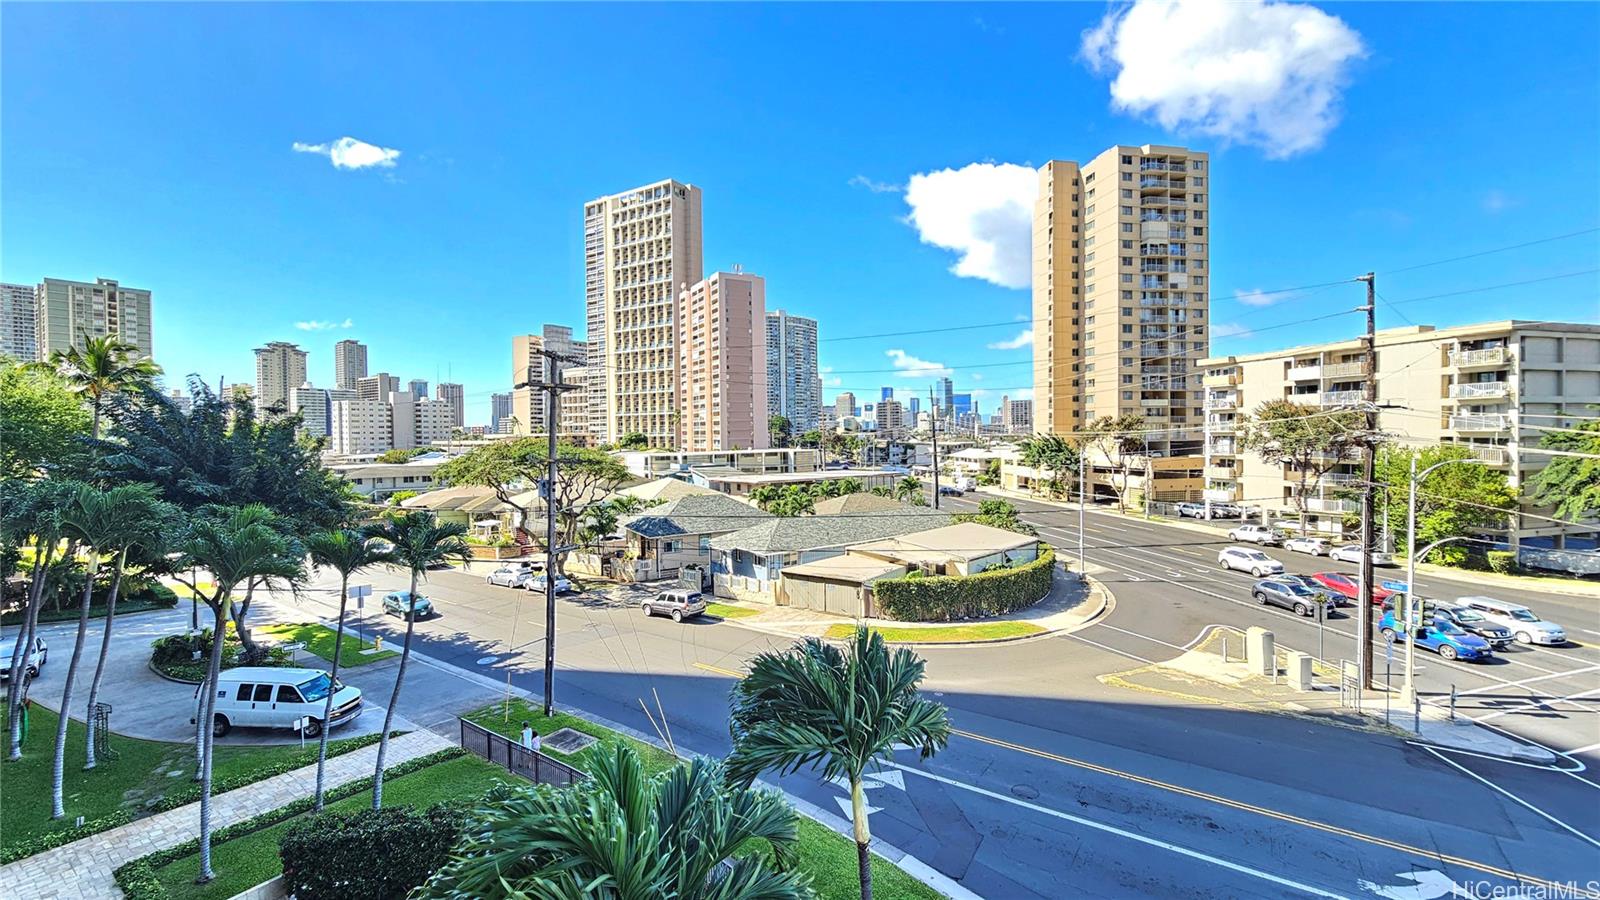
83,868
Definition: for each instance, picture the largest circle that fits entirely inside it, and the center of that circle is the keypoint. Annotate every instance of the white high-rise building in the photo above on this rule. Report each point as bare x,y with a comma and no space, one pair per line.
314,405
377,387
280,368
499,411
456,397
19,339
1016,416
67,312
794,389
359,427
641,247
529,364
349,364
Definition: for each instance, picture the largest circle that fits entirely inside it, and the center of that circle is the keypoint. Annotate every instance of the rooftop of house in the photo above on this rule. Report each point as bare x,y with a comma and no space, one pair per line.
696,514
964,540
837,530
849,568
726,474
665,489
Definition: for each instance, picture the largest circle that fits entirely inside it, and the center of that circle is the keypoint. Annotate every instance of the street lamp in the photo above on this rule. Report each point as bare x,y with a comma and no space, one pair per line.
1408,690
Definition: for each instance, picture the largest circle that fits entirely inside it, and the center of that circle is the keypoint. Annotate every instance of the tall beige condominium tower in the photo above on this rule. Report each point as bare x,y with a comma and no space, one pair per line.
67,312
349,364
455,395
641,247
18,324
530,365
722,363
1120,281
280,368
377,387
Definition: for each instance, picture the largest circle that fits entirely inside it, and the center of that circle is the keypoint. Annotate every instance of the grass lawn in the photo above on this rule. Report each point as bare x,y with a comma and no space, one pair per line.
936,634
246,861
496,718
183,592
318,641
729,611
138,775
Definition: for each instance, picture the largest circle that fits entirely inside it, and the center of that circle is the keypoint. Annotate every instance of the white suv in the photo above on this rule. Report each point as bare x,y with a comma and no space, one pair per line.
1523,623
1245,559
1256,534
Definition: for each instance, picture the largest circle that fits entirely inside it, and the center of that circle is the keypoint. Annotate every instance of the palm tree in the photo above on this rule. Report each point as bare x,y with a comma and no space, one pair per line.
622,833
347,552
420,542
104,366
764,496
907,488
31,513
235,546
818,705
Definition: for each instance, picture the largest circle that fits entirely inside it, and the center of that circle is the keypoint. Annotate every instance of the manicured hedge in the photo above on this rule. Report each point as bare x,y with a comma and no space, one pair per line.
1503,561
367,853
157,596
952,598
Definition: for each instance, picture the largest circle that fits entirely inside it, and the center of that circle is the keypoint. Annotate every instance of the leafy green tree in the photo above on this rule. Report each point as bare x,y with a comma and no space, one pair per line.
403,456
908,488
997,514
812,438
101,368
634,440
818,706
43,426
419,543
1120,440
1570,484
1309,440
991,473
347,552
624,834
600,519
32,514
399,497
1454,501
781,430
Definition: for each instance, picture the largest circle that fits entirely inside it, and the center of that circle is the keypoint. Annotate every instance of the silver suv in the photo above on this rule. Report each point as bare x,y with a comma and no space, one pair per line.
1256,534
679,603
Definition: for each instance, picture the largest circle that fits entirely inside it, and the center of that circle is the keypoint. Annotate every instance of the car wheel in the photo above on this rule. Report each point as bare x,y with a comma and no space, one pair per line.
1524,637
33,671
1256,572
677,615
1388,635
313,728
648,610
1447,651
220,726
1261,598
1300,609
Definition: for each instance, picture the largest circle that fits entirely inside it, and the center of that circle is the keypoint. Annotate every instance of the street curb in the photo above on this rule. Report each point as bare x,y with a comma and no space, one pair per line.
1493,579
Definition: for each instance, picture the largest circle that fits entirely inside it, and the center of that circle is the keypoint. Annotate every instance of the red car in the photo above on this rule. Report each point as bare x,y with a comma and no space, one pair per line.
1346,587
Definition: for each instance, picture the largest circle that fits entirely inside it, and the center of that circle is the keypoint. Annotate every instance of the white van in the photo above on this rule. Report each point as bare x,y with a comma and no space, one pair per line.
271,697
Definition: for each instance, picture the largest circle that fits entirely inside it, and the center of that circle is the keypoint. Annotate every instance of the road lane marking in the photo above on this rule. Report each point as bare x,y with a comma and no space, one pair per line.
1525,681
719,670
1120,832
1491,785
1258,810
1536,702
1585,749
1144,636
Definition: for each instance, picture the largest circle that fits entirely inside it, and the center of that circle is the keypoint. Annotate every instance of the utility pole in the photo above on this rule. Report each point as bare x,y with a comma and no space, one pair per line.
933,427
1083,482
1369,470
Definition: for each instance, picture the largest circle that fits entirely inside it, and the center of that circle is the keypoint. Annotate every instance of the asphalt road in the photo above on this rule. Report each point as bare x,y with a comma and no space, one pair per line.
1057,785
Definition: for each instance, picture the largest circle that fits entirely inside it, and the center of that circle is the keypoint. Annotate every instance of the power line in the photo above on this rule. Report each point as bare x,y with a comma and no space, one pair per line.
1440,262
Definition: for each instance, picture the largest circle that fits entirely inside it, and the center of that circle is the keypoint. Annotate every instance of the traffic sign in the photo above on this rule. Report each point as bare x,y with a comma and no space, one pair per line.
1395,585
358,591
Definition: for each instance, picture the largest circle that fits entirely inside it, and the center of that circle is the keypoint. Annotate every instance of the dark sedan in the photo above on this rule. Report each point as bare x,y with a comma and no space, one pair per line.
1291,595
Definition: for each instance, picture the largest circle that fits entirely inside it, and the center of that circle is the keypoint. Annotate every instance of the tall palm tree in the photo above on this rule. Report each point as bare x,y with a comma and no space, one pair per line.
32,512
102,367
347,552
420,542
622,833
235,546
907,488
818,706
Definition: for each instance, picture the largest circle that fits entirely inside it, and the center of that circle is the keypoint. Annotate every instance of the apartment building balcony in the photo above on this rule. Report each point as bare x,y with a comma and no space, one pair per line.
1474,359
1228,380
1305,373
1491,422
1149,352
1153,182
1157,165
1154,282
1342,398
1221,495
1149,302
1494,456
1337,479
1325,505
1344,370
1221,424
1480,390
1221,473
1222,402
1159,231
1156,333
1154,267
1224,447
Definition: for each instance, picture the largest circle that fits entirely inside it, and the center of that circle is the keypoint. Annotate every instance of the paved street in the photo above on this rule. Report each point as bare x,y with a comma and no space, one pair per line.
1058,785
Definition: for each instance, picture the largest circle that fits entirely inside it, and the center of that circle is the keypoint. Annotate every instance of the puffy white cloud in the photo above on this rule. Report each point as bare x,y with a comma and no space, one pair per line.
322,325
1258,297
1252,71
349,153
911,367
1024,339
982,211
1230,330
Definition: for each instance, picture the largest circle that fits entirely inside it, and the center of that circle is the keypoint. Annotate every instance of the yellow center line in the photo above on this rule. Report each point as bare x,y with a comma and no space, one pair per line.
1259,810
719,670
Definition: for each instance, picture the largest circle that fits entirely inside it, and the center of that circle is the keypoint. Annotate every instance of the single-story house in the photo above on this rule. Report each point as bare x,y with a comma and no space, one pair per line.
377,480
663,539
841,585
479,508
736,483
745,564
965,548
663,490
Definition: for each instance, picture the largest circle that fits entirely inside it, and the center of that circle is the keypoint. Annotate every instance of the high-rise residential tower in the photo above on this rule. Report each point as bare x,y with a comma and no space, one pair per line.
793,388
722,363
280,368
19,339
499,411
418,389
67,312
349,364
529,364
456,396
1120,281
641,248
947,397
377,387
844,405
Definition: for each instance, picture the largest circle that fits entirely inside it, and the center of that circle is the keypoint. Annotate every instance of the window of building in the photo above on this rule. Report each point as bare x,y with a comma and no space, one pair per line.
1127,227
1127,278
1127,260
1127,210
1088,196
1197,181
1085,243
1199,232
1127,395
1088,179
1127,295
1127,328
1127,160
1198,198
1199,281
1127,245
1089,210
1197,165
1127,194
1127,176
1198,215
1127,345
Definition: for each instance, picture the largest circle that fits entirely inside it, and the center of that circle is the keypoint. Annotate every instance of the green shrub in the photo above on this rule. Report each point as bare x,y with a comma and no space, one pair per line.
367,854
950,598
173,655
1503,561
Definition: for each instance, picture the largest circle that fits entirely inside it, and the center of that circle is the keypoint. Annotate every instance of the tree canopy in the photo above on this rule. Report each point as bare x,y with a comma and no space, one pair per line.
1457,500
43,427
1570,484
997,514
1309,440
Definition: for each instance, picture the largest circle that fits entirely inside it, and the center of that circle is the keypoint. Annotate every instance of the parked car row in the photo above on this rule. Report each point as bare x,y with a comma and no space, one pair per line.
529,576
1218,511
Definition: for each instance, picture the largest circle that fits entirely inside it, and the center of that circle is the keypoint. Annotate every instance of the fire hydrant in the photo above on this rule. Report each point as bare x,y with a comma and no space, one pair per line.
377,643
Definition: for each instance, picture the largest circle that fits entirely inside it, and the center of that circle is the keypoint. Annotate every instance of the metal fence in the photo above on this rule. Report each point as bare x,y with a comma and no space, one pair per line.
530,764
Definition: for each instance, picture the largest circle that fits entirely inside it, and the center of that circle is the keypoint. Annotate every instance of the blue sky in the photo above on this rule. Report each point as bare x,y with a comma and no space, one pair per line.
154,144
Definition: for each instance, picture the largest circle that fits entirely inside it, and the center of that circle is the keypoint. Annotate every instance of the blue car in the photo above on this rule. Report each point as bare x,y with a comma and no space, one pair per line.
1442,637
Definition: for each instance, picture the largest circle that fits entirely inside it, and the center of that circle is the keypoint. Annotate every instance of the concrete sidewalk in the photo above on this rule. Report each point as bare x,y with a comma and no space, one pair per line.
83,869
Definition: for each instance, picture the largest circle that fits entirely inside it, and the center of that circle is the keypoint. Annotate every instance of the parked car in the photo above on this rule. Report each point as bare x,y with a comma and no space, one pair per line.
1464,618
514,576
537,584
1522,622
1313,546
678,603
1351,553
1442,637
398,603
1348,588
1191,510
1315,585
950,490
38,655
1256,534
270,697
1292,595
1245,559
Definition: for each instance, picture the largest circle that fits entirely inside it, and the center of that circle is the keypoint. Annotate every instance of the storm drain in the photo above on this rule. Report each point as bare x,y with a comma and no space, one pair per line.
567,741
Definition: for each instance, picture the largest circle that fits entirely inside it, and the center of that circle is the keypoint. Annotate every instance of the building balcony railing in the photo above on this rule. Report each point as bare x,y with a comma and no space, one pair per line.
1494,456
1471,390
1158,301
1153,267
1221,424
1156,165
1305,373
1222,473
1154,181
1480,422
1493,356
1229,380
1224,447
1342,398
1339,478
1228,402
1221,495
1344,370
1325,505
1148,352
1159,231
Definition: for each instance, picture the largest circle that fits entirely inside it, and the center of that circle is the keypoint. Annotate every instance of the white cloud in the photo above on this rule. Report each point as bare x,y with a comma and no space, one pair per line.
984,212
1024,339
828,378
1252,71
1231,330
877,187
349,153
1258,297
316,325
909,366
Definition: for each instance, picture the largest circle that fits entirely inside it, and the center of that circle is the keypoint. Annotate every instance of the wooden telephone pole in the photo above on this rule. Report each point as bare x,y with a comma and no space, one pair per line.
1369,468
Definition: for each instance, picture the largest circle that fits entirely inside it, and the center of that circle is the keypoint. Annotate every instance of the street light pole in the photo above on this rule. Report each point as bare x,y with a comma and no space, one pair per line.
1083,480
1408,689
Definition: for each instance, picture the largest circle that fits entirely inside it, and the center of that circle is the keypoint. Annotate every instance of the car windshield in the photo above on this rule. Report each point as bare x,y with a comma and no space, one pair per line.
1296,587
1523,615
1444,626
317,688
1255,554
1466,615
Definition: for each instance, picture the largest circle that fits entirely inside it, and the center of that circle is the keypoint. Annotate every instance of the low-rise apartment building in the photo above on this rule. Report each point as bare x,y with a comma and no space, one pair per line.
657,463
1493,388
